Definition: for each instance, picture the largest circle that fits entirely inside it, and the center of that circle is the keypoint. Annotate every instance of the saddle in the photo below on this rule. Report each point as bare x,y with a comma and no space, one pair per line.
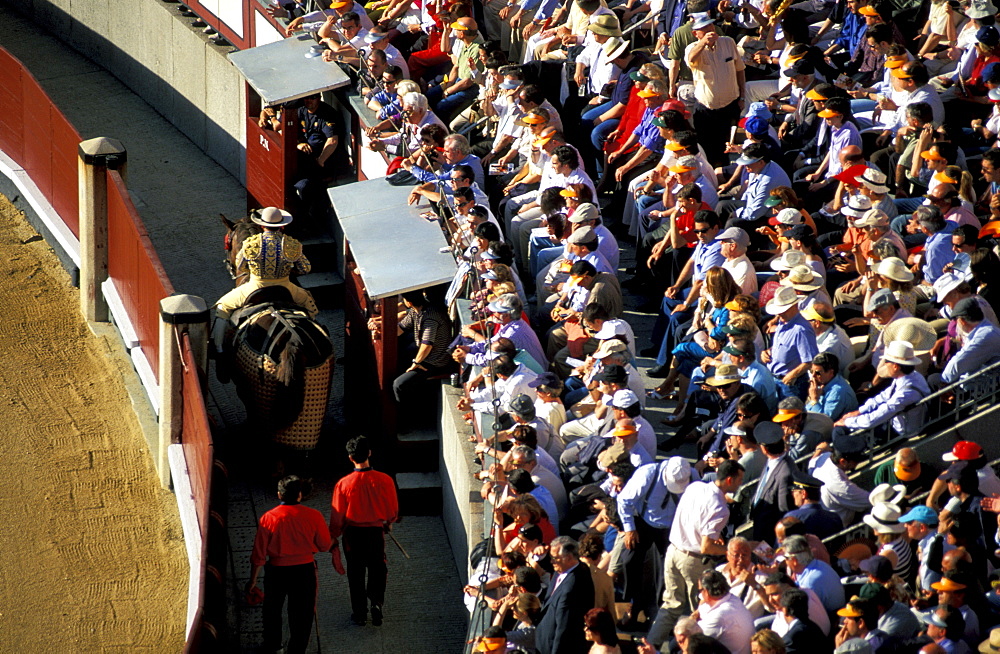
276,297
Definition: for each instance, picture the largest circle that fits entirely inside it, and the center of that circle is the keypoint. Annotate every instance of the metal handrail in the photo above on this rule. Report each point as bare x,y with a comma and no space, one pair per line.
969,393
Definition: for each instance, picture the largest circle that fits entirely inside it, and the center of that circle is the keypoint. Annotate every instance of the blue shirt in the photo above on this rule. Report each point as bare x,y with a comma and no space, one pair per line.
837,399
892,404
938,252
980,348
520,334
794,344
758,189
852,30
658,509
648,133
707,256
823,580
470,160
762,381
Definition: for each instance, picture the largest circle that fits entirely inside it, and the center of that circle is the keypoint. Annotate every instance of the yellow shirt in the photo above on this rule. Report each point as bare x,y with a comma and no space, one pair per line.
714,72
273,255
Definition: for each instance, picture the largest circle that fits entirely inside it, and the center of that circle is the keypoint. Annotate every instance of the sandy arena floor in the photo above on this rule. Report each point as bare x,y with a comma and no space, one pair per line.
91,556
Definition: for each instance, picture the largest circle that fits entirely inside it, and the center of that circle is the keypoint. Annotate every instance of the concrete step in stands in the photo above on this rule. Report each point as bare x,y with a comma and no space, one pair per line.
419,493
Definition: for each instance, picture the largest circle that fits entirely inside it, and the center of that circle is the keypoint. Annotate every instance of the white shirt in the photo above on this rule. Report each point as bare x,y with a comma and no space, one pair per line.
750,597
729,622
743,274
839,494
506,390
702,511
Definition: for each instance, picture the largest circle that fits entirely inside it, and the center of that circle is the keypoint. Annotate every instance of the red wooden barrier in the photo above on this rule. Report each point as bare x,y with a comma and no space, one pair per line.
35,134
135,268
196,435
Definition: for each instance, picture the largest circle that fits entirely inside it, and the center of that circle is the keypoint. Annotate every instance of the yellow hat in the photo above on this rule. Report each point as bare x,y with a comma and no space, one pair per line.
948,585
622,432
810,313
677,168
895,61
902,474
674,146
459,26
899,73
533,119
829,113
868,10
932,155
943,178
343,4
545,136
491,645
813,94
647,93
568,193
850,611
785,414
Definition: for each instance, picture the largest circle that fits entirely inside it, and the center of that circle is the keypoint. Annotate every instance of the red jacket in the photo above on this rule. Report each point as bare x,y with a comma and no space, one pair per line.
364,498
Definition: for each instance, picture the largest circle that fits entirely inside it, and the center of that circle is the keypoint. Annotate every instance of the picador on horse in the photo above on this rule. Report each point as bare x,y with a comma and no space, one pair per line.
281,359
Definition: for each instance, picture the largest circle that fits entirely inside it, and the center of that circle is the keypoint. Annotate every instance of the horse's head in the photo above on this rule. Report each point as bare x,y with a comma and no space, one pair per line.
236,233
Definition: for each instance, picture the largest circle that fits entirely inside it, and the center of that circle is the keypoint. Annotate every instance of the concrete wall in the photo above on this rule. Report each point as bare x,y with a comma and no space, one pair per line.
156,53
462,507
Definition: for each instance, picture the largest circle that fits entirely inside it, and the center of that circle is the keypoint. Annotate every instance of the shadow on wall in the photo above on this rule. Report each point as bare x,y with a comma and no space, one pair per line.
156,52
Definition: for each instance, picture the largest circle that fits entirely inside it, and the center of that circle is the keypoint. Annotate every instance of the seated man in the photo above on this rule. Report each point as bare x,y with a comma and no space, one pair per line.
319,157
760,175
980,345
907,388
270,256
829,393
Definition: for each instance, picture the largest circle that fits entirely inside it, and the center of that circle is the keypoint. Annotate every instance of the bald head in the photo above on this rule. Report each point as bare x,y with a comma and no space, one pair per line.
943,194
850,156
951,558
469,26
906,456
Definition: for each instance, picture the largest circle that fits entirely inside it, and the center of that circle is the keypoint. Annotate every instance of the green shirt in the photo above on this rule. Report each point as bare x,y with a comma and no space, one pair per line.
469,52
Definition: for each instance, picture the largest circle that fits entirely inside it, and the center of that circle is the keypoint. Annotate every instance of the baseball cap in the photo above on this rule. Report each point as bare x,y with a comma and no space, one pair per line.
988,35
623,399
963,451
544,379
968,307
756,126
613,374
767,433
881,298
585,211
877,566
920,513
787,216
735,234
800,67
506,303
523,406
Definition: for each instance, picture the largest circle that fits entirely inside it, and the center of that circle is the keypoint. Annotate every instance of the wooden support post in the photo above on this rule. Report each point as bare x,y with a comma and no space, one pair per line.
178,314
96,156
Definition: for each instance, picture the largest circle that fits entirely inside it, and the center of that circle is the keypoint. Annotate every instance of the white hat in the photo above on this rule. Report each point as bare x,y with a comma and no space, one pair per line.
789,216
624,398
945,284
875,180
677,474
900,352
887,493
700,20
895,269
873,218
857,206
884,519
980,9
789,260
615,47
271,217
784,298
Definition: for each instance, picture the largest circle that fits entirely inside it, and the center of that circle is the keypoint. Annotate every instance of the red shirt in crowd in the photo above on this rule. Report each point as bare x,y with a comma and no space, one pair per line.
290,534
364,498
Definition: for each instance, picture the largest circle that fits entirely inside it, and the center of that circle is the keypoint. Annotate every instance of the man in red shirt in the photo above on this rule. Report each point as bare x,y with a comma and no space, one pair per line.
287,538
363,509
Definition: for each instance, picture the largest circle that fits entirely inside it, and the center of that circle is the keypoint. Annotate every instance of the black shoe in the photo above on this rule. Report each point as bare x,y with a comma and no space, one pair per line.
653,306
651,351
659,372
360,620
376,616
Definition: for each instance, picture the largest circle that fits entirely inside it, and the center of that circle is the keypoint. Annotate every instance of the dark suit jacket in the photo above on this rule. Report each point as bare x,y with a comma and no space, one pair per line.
806,638
560,630
775,500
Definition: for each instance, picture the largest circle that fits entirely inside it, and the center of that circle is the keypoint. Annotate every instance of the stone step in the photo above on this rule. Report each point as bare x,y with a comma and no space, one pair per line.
419,493
421,435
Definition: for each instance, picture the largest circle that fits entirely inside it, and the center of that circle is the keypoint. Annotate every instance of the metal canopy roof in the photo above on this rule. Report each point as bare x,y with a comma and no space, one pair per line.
280,71
396,250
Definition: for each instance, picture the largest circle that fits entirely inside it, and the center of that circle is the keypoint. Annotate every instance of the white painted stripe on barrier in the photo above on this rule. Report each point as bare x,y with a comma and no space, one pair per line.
63,235
131,340
189,523
147,377
120,315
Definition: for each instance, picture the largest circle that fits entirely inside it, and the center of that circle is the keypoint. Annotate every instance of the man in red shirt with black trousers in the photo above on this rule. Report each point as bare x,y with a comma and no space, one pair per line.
288,537
364,507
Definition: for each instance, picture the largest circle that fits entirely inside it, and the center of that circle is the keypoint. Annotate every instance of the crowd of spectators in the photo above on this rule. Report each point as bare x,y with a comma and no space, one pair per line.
811,190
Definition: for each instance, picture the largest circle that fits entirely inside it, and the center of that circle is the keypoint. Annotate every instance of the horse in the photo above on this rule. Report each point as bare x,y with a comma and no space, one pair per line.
281,359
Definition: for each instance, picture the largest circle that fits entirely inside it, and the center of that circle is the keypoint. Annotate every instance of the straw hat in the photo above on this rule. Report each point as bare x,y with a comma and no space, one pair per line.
895,269
784,299
918,333
803,278
789,260
887,494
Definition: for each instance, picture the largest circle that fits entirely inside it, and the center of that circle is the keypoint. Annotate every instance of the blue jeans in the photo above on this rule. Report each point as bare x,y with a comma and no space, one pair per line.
800,389
669,326
541,253
598,133
574,390
447,107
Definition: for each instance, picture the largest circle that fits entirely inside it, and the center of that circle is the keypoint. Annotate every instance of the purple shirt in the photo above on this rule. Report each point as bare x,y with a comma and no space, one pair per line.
794,344
840,139
520,333
706,257
648,133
